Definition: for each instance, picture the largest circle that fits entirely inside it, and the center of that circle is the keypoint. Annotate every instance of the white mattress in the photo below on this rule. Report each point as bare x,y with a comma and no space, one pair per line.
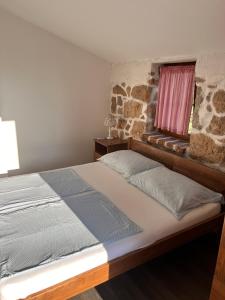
154,219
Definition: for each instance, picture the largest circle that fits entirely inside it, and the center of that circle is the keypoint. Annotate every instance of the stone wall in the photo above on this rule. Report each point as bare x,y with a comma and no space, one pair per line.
134,95
128,105
133,100
207,141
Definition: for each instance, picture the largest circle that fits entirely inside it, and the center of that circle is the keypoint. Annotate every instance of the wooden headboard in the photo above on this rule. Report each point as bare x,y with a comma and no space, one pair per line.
209,177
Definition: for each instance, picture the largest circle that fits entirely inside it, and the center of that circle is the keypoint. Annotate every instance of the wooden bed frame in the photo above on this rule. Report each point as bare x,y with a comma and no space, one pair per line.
209,177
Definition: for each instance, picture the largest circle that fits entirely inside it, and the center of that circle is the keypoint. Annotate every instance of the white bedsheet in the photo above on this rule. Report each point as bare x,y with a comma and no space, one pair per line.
154,219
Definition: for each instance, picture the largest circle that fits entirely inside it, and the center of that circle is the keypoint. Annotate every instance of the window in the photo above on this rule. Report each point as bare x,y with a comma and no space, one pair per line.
175,98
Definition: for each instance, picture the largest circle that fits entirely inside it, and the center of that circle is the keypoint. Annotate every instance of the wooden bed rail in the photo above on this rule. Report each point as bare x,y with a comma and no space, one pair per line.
209,177
105,272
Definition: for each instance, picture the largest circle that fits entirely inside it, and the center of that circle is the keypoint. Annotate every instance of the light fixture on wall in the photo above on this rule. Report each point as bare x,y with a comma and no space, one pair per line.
110,121
9,159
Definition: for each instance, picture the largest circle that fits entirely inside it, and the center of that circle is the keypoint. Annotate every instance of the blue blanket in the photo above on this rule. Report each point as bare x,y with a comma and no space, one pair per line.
47,216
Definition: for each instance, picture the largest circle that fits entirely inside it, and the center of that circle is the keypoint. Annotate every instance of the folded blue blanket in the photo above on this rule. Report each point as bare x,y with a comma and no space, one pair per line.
47,216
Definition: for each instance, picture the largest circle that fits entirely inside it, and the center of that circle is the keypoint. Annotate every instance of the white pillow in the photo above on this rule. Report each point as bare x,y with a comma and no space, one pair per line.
178,193
128,162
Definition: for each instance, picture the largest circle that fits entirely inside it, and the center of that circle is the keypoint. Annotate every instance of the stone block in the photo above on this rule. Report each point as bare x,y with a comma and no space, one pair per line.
114,133
127,127
120,110
132,109
118,90
211,86
199,80
204,148
219,101
153,82
208,97
138,129
141,92
119,101
209,108
217,126
121,123
113,105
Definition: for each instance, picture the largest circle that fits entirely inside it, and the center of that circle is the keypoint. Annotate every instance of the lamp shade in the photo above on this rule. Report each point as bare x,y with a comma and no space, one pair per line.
110,121
8,147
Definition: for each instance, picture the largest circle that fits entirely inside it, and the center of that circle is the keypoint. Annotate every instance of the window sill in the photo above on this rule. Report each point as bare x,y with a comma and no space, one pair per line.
164,140
175,135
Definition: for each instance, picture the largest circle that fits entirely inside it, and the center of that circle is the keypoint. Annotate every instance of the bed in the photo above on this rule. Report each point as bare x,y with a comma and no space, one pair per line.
75,273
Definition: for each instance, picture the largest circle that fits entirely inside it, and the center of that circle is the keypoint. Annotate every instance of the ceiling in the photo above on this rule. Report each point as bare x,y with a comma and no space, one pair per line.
125,30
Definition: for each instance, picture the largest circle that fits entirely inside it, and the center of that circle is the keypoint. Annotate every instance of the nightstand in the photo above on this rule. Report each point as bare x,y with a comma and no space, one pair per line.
104,146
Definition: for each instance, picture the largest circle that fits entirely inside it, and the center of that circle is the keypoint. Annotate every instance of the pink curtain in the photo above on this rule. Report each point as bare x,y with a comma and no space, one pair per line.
175,97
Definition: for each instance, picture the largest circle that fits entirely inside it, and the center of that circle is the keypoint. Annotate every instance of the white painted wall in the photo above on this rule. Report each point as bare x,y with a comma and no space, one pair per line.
211,66
132,73
57,94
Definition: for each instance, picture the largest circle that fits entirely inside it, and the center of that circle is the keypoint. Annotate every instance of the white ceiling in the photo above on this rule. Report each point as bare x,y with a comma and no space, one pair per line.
124,30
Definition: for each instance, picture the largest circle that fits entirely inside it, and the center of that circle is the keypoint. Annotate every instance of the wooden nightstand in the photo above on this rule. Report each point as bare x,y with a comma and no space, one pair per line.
104,146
